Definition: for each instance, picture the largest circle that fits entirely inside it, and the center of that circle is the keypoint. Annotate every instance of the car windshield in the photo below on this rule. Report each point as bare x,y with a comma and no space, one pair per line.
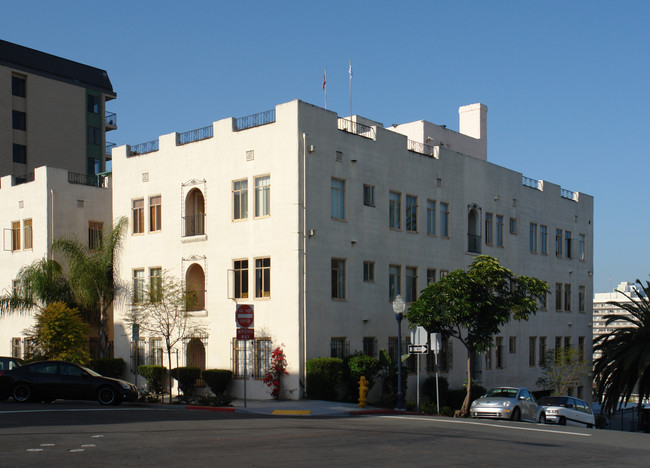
91,372
554,401
502,393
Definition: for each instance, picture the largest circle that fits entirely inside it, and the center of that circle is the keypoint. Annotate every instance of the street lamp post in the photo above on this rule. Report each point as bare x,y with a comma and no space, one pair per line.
398,307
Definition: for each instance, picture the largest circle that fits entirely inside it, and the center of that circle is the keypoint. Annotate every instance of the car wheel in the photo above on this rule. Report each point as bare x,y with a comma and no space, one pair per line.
516,414
562,421
542,418
22,392
107,396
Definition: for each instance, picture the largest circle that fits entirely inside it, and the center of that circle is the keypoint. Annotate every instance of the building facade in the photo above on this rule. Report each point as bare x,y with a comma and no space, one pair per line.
52,113
318,222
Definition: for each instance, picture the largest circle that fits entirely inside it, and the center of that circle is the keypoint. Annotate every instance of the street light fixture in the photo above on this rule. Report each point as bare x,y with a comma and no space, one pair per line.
398,307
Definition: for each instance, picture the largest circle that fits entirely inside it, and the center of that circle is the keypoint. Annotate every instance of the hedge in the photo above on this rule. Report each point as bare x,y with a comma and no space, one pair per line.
186,376
323,377
108,367
217,380
154,376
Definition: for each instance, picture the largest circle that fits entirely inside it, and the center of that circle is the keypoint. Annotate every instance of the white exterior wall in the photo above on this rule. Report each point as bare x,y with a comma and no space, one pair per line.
35,200
382,161
624,291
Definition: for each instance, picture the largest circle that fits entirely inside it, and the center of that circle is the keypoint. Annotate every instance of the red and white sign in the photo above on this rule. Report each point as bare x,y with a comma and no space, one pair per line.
245,334
244,315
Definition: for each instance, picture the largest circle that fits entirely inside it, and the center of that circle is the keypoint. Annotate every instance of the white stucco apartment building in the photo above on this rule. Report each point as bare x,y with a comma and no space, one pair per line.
56,203
318,221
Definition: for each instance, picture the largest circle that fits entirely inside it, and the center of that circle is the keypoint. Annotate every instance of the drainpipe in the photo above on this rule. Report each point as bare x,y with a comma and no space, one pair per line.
304,263
51,250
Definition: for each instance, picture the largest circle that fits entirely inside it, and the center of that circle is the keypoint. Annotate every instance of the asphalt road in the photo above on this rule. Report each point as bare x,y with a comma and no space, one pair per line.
84,434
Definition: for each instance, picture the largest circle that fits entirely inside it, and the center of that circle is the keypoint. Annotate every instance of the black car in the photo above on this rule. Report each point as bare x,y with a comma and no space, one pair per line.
50,380
8,363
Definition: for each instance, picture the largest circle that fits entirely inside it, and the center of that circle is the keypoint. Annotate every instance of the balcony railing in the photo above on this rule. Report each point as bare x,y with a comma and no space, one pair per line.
109,147
569,195
92,180
143,148
194,225
473,243
356,128
532,183
195,135
255,120
419,148
111,119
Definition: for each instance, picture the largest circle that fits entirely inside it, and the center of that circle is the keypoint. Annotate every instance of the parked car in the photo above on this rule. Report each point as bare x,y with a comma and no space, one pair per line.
566,411
506,403
50,380
7,363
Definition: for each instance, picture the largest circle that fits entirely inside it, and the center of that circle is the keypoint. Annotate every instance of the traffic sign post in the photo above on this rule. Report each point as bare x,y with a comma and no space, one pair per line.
419,346
244,315
244,318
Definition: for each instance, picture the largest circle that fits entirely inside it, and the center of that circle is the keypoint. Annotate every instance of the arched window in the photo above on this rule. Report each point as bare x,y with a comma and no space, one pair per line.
194,219
195,283
474,229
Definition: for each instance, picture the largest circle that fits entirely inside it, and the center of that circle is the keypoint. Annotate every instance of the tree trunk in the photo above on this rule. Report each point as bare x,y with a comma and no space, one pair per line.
103,339
464,410
169,373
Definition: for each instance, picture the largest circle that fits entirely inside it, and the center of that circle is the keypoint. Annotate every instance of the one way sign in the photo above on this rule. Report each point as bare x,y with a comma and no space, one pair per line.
418,349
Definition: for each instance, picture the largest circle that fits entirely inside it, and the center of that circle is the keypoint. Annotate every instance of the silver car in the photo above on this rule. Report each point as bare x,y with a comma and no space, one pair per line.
566,411
506,403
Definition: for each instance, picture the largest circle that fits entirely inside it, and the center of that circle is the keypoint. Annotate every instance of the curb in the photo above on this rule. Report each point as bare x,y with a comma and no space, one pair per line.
222,409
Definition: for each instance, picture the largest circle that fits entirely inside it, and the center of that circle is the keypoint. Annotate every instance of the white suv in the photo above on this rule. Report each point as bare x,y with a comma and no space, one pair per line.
566,411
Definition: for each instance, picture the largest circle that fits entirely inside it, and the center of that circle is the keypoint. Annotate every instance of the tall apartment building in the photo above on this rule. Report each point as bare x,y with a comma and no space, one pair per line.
52,113
318,222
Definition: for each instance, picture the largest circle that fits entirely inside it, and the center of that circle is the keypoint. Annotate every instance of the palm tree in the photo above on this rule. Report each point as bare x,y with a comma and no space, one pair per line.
624,363
91,275
37,285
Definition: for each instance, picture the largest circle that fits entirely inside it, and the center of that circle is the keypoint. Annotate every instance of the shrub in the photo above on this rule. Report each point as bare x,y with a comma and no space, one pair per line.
323,376
186,376
217,380
428,407
356,366
109,367
446,411
429,389
154,376
456,397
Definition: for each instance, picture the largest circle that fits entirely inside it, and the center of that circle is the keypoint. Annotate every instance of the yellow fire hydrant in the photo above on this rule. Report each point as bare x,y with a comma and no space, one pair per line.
363,391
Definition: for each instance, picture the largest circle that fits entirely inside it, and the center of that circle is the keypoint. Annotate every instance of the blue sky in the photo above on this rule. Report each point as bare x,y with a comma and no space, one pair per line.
567,84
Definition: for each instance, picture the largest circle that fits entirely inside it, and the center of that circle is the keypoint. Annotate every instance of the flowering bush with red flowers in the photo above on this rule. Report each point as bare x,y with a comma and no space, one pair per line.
276,370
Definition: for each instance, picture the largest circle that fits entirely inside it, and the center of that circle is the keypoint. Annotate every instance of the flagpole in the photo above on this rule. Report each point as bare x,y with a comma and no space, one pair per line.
350,72
325,85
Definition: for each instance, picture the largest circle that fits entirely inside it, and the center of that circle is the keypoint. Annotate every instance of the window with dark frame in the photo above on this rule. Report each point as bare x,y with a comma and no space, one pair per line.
338,278
369,272
19,153
368,195
263,277
18,86
241,278
19,120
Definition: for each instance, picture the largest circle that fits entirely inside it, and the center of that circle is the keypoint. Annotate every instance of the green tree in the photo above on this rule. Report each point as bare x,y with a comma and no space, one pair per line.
59,333
563,368
473,305
91,276
624,362
162,311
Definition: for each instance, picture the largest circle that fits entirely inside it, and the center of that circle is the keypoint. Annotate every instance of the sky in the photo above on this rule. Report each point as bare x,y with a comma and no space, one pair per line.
567,83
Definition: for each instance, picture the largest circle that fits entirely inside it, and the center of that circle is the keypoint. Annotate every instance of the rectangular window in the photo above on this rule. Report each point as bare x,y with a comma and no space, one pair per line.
581,247
513,226
18,87
263,350
338,198
338,347
567,342
558,242
155,213
262,196
431,217
411,213
567,297
499,231
532,349
15,236
28,234
94,137
543,302
369,272
443,273
95,230
155,284
567,244
558,296
16,347
137,210
488,229
240,199
411,284
512,345
258,358
369,195
581,347
431,275
262,277
558,342
543,239
338,278
155,352
393,348
138,286
20,154
395,210
499,352
19,120
93,104
488,358
542,350
533,238
241,278
370,346
394,281
581,299
444,219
